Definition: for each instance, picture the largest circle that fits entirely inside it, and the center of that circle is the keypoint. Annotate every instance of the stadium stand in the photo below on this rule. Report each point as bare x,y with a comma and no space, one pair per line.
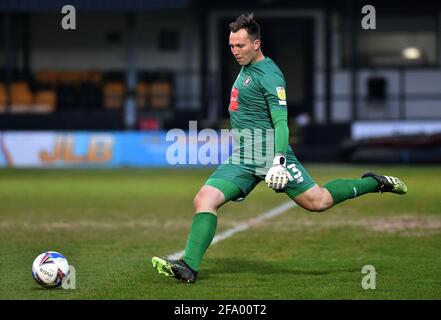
161,92
45,101
114,90
48,91
2,98
21,97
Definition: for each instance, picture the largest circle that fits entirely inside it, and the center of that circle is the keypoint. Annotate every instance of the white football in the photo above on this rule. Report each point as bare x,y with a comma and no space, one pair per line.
50,268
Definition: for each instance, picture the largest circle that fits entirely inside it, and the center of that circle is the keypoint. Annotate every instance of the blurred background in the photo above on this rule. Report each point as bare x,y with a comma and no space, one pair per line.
106,92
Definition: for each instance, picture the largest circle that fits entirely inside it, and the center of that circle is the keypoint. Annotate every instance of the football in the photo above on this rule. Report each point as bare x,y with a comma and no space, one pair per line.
50,268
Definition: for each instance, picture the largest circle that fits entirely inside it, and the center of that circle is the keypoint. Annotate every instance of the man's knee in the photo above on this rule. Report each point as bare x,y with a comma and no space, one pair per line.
316,206
316,201
321,204
208,199
200,199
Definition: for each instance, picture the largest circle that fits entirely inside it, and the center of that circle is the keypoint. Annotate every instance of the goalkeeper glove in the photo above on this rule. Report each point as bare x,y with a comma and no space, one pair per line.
277,175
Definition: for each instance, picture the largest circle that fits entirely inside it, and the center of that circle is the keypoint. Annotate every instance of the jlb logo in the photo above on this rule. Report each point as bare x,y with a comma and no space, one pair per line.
234,104
99,150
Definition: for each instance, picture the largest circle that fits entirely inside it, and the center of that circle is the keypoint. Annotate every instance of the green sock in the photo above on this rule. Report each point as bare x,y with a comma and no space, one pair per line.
343,189
202,233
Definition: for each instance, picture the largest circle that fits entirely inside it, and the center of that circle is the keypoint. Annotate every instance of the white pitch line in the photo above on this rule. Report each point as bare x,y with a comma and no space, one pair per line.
244,226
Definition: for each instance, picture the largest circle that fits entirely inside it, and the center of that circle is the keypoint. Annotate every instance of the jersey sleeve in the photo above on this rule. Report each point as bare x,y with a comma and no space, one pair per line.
273,87
281,130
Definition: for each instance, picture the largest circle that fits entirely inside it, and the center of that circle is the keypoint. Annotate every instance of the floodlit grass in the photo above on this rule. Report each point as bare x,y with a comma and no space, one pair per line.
109,223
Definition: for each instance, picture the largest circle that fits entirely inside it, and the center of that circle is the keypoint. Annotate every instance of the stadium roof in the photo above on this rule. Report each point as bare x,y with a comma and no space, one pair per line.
91,5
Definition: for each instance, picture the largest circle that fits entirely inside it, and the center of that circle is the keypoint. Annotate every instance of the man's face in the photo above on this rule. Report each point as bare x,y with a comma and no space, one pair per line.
243,49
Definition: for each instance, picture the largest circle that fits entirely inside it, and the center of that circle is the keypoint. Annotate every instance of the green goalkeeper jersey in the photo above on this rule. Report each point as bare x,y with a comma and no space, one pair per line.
259,89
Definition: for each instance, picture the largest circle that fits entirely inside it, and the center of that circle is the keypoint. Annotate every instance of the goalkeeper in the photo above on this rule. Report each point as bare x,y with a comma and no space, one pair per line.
258,105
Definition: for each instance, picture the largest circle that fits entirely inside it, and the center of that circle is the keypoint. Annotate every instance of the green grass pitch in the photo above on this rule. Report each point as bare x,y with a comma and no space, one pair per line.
109,223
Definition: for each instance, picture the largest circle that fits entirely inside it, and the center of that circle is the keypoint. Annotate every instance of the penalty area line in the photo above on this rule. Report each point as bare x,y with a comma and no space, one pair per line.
243,226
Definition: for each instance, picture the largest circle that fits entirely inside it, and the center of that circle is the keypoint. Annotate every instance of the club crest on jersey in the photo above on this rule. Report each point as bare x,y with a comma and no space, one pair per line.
247,81
281,93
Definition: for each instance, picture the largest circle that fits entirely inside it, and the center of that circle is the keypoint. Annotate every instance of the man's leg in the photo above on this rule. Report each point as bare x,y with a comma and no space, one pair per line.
315,199
338,190
210,197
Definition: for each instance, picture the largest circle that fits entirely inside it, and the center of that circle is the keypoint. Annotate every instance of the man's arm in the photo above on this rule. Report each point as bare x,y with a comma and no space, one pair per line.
276,177
275,96
281,131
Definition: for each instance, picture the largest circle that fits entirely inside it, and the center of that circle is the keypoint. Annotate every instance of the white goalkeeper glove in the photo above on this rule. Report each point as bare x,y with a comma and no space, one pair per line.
277,175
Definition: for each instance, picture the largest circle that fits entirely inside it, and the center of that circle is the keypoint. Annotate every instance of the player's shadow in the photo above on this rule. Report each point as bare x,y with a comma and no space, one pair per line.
229,265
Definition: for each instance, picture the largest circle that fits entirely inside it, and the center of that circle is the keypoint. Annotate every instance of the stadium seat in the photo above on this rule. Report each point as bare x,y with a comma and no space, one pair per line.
45,101
114,93
95,77
72,77
142,94
71,89
2,98
161,94
47,77
21,97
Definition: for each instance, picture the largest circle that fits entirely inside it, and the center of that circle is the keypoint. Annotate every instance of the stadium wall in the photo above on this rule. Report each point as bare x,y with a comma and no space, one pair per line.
110,149
100,42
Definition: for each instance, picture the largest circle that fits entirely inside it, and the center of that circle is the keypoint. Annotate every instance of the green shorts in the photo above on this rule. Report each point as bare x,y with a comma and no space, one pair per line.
246,177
